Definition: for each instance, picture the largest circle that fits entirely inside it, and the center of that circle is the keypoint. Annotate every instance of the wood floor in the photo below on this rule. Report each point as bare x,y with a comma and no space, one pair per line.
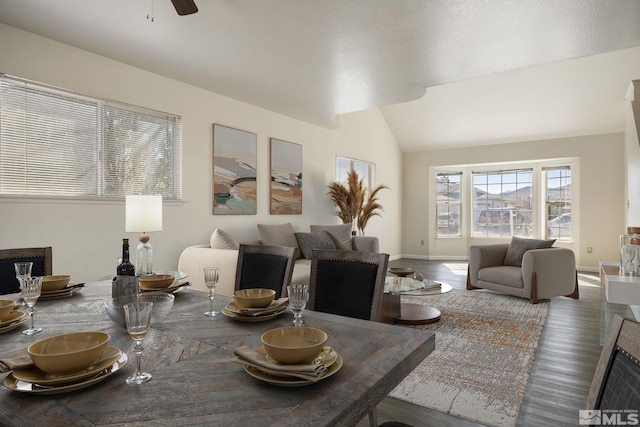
564,365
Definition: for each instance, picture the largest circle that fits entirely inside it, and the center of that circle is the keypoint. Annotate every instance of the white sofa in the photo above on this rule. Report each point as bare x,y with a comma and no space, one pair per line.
222,251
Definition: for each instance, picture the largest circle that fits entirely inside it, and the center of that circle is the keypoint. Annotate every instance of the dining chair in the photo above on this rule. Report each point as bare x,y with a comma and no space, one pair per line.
42,259
348,283
264,266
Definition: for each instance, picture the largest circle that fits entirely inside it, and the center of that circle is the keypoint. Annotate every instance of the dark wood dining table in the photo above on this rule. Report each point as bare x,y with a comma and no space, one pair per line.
196,382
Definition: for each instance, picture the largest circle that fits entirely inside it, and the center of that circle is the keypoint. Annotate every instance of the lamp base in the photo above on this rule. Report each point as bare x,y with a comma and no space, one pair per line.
144,256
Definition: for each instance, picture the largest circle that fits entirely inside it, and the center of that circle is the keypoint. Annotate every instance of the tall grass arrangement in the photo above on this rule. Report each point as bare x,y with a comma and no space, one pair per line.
352,202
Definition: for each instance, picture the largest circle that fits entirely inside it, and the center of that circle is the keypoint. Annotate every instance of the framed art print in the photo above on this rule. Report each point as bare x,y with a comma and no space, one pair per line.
286,177
234,171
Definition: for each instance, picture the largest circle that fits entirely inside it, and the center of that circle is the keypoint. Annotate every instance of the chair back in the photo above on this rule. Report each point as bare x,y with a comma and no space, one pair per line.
42,259
263,266
348,283
616,381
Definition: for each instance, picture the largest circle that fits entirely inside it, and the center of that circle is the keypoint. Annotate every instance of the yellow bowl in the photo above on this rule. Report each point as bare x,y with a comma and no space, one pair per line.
294,345
253,298
55,283
6,307
69,353
156,281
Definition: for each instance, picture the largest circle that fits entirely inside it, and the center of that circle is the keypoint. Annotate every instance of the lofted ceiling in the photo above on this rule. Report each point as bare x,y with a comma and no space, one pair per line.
444,73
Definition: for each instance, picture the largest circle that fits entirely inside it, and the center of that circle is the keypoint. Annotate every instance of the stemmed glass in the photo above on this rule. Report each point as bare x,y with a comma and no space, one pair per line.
30,288
298,297
138,317
211,275
23,269
629,253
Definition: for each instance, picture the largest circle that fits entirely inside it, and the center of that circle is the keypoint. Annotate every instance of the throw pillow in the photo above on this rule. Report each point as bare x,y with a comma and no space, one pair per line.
310,241
341,234
222,240
519,246
279,235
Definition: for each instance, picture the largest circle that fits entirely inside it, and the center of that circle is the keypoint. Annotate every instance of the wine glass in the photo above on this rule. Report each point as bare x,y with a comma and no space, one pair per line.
211,275
30,288
629,253
138,317
298,297
23,269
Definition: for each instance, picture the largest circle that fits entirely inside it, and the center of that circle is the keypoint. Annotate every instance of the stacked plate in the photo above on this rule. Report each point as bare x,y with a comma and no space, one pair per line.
331,360
65,292
33,380
262,314
12,321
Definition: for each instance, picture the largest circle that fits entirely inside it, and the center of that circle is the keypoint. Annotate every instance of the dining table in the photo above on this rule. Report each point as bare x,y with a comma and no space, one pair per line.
195,378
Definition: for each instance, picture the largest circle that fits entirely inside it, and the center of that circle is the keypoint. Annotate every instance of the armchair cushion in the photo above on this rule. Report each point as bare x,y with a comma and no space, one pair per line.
310,241
340,233
519,246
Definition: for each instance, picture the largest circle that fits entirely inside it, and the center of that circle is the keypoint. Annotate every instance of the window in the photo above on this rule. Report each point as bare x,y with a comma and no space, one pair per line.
558,202
366,170
502,203
448,187
55,142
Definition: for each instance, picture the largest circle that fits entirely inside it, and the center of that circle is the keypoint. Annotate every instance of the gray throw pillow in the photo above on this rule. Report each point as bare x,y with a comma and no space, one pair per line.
519,246
341,234
310,241
220,239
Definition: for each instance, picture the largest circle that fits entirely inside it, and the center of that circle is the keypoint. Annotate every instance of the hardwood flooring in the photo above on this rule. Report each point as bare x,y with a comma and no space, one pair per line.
565,360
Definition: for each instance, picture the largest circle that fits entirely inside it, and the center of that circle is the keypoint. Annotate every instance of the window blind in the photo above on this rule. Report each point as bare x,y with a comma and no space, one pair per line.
58,143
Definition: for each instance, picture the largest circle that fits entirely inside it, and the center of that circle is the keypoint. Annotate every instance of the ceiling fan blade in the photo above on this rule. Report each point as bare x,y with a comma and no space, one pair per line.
185,7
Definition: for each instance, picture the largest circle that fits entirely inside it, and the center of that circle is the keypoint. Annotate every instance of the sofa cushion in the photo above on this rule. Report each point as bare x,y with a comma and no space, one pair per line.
220,239
341,234
279,235
519,246
310,241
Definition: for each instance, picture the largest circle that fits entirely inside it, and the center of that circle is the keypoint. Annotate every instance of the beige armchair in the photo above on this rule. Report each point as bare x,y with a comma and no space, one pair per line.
544,274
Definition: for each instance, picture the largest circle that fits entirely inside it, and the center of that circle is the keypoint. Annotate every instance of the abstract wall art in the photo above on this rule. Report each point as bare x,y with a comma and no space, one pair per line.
234,171
286,177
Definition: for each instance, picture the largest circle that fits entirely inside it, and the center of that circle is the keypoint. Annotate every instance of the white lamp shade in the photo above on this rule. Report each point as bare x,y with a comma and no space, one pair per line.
143,213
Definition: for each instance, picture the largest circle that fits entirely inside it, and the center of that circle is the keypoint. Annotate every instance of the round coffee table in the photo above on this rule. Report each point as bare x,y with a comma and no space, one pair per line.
419,314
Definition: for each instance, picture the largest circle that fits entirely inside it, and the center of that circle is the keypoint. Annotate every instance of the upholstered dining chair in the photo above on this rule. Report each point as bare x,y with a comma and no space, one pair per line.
348,283
263,266
42,259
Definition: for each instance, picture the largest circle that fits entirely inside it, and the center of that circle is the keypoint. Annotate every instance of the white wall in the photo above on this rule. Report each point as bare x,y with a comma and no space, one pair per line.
86,236
601,194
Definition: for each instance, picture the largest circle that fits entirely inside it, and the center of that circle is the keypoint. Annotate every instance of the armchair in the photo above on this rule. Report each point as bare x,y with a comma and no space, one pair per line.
544,273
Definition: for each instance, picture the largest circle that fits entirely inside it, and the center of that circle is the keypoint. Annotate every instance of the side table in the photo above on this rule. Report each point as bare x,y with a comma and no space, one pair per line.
417,314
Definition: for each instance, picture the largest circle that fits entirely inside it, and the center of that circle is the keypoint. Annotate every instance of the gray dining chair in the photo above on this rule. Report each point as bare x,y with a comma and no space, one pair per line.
263,266
348,283
42,259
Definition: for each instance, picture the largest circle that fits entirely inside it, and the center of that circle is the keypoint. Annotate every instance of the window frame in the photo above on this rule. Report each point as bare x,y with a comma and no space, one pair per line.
341,171
158,136
454,227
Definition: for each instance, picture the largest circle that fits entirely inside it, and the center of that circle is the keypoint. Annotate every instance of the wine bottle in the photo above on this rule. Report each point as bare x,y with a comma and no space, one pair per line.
126,268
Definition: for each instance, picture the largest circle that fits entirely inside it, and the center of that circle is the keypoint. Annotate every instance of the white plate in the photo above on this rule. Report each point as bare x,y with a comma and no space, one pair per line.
36,376
13,384
15,324
291,381
241,318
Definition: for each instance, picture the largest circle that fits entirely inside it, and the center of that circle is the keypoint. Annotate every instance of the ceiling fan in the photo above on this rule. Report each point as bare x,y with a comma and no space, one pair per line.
185,7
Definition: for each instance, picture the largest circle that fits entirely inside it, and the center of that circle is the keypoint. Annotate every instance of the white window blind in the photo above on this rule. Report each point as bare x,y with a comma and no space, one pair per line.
58,143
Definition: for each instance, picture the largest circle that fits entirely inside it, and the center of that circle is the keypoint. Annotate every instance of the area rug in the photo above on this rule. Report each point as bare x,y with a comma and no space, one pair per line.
485,347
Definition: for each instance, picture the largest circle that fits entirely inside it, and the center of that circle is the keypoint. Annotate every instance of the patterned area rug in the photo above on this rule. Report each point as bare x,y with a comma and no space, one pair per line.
485,347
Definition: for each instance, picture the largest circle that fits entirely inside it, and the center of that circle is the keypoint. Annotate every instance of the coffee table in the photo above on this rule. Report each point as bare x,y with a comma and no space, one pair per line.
417,314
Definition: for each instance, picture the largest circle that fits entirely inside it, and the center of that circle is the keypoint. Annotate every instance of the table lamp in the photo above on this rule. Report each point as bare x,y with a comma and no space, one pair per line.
143,214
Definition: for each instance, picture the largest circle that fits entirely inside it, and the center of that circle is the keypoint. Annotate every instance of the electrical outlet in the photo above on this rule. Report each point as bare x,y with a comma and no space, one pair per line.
589,250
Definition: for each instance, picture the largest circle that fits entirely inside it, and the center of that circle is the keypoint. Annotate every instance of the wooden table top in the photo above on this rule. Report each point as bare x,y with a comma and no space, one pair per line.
194,379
